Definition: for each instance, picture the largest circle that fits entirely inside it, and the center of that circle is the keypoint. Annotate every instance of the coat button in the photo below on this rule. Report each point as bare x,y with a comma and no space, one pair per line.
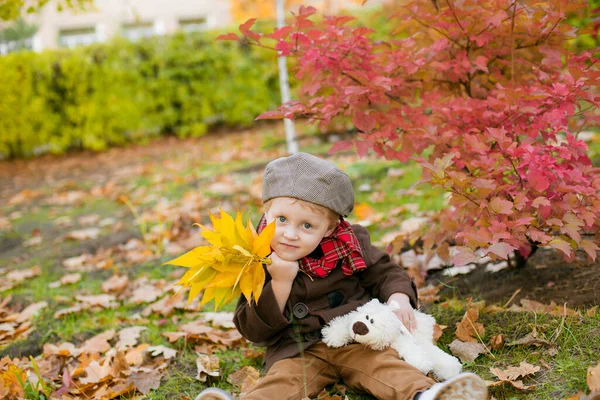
300,310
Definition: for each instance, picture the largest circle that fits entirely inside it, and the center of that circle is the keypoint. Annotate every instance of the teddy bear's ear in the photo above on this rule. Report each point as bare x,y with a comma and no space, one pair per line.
394,305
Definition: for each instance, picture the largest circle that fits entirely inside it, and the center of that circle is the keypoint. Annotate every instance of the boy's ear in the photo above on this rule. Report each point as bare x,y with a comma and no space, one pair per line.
330,231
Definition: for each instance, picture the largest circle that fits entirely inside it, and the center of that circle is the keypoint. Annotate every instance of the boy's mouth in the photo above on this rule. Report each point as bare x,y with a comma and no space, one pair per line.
289,245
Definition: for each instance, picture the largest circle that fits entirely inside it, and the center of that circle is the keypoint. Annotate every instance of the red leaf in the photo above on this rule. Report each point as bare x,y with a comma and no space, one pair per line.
501,249
364,122
228,36
280,33
362,147
245,29
538,181
501,206
561,245
341,145
274,114
590,248
463,256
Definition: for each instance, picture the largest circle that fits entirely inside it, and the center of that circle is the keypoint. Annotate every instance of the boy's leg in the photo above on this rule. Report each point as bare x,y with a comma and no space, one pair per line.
380,373
294,379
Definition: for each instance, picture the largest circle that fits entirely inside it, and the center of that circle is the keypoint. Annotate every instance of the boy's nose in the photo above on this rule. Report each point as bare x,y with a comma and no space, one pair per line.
290,233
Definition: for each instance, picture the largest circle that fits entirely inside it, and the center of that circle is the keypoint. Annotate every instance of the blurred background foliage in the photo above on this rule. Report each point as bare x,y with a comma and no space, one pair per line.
112,93
119,92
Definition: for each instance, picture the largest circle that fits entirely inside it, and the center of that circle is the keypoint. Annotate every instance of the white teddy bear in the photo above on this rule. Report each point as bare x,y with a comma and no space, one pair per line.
376,326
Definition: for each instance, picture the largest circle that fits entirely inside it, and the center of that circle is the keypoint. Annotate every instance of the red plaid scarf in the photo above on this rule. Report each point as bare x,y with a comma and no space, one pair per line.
341,245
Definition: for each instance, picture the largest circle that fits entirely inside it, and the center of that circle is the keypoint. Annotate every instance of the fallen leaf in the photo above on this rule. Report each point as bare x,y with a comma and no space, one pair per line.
468,329
99,343
497,341
31,311
71,310
66,349
531,339
145,381
96,372
220,319
135,356
146,294
244,378
115,284
83,234
438,331
511,375
466,351
101,300
593,378
128,337
67,279
208,365
167,352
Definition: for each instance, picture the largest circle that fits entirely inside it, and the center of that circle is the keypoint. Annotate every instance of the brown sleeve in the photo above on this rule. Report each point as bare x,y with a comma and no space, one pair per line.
383,277
260,322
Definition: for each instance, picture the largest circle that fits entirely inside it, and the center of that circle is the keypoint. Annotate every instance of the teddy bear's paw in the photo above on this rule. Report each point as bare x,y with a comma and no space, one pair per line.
466,386
334,337
447,368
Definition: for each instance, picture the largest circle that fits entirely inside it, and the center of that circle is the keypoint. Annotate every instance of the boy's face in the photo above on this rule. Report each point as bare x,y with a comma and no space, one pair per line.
299,230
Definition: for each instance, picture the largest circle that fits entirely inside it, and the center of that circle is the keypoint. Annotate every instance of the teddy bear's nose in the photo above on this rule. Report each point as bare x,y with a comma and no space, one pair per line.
360,328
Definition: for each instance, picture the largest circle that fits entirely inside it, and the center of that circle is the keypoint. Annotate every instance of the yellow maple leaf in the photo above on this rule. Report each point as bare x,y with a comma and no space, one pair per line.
232,263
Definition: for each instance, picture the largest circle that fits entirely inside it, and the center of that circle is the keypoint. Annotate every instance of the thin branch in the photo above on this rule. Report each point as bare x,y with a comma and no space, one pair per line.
512,45
440,32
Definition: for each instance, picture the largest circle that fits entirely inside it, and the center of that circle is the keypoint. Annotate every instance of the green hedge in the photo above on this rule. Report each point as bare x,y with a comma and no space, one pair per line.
109,94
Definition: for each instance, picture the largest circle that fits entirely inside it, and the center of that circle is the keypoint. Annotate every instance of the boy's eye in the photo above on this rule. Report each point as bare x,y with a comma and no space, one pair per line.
280,219
306,225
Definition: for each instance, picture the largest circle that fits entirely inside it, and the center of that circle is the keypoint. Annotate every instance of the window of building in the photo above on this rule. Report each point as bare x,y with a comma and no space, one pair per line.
8,46
137,31
193,24
77,37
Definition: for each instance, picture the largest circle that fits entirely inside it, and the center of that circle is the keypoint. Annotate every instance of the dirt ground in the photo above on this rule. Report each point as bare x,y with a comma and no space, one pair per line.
546,277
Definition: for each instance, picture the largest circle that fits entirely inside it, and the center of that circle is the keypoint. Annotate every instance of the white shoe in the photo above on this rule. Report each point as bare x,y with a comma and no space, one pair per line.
214,394
465,386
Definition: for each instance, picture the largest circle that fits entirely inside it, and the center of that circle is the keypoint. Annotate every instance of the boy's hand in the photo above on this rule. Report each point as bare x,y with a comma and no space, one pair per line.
282,270
406,314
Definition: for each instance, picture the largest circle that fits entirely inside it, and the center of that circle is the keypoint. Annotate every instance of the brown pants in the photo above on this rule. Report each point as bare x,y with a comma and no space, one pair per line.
380,373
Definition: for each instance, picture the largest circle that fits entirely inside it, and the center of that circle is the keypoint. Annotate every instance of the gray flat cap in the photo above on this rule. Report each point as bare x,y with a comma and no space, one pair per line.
309,178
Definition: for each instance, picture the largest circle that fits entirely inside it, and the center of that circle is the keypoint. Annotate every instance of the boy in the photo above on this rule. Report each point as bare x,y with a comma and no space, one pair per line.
322,268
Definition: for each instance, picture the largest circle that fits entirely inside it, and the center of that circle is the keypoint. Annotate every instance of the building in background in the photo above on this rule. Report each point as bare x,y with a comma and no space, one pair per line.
133,19
136,19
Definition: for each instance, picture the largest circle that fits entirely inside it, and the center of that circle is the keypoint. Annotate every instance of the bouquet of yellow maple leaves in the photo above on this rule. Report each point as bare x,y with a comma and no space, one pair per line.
231,264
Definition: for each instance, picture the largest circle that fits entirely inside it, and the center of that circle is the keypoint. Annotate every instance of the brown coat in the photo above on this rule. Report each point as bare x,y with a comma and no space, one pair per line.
313,302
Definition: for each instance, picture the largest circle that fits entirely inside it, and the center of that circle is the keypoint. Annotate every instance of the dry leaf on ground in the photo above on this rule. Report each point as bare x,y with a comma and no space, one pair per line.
167,352
219,319
115,284
208,365
497,341
511,375
99,343
468,329
438,331
466,351
531,339
67,279
593,379
100,300
83,234
13,278
128,337
244,378
552,308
